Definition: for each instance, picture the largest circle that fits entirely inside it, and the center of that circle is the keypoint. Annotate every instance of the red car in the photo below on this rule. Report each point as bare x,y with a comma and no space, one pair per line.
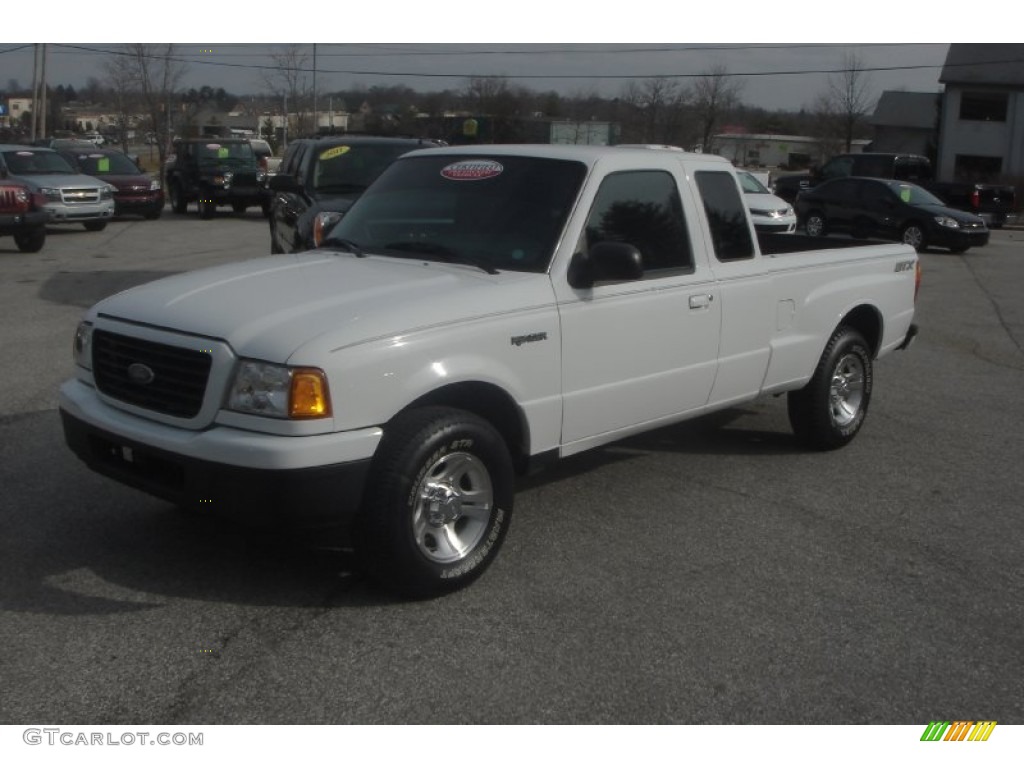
22,214
137,192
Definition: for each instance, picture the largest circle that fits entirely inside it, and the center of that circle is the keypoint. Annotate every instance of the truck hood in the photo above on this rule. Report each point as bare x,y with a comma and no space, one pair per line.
62,180
271,308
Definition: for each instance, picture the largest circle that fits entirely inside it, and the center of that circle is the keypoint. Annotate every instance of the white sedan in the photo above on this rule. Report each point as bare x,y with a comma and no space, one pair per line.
768,212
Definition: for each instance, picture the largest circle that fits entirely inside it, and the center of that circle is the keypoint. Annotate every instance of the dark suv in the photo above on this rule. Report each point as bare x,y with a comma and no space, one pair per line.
213,172
320,178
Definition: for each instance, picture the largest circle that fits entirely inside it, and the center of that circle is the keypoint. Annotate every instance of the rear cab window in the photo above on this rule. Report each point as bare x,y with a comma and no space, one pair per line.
727,216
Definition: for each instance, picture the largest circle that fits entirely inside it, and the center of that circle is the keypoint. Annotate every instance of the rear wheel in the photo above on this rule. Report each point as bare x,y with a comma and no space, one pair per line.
913,235
178,202
815,225
31,241
439,502
829,411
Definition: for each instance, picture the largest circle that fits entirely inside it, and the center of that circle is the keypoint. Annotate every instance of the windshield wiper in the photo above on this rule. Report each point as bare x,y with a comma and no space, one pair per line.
341,242
440,253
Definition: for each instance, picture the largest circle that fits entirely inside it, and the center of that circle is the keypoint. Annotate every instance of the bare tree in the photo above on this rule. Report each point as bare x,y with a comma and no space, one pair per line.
121,84
846,100
716,94
156,73
291,83
653,111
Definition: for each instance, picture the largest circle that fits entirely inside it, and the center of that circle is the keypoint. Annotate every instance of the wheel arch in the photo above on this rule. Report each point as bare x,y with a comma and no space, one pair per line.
867,321
491,403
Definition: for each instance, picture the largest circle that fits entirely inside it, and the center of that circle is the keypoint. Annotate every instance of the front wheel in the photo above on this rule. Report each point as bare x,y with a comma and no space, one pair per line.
439,502
913,235
815,225
31,241
830,410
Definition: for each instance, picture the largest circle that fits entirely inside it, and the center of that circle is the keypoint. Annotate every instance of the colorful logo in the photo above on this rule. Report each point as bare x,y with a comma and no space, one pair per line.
958,730
472,170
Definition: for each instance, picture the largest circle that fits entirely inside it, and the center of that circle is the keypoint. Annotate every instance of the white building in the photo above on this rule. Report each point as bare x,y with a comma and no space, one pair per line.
982,123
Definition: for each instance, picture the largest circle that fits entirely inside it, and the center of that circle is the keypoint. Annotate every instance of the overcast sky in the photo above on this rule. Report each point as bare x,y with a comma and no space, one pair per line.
784,75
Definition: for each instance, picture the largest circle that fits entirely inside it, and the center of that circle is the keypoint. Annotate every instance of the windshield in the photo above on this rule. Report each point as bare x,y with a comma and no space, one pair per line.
496,212
26,162
351,168
102,164
236,154
751,185
913,194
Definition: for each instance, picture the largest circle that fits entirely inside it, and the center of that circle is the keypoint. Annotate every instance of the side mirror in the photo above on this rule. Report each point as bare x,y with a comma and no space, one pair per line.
606,261
283,182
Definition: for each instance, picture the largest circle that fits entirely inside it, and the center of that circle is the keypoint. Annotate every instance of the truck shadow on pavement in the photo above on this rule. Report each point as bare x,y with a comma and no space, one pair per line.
76,543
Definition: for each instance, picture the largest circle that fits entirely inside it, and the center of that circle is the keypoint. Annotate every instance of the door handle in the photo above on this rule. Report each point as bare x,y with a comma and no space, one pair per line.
701,300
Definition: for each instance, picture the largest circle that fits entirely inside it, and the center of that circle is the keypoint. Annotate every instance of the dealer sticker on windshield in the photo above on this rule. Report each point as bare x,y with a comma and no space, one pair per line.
472,170
327,154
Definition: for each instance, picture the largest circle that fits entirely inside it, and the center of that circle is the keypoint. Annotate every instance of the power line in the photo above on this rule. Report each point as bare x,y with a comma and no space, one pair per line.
606,76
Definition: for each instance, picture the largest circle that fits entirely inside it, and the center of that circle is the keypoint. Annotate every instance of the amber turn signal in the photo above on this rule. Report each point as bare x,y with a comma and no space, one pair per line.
309,398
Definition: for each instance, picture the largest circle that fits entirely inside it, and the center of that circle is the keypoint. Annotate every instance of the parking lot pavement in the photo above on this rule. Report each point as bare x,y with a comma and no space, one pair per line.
710,572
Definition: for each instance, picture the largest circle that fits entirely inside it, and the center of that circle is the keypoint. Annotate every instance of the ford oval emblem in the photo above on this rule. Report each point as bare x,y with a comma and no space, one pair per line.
140,373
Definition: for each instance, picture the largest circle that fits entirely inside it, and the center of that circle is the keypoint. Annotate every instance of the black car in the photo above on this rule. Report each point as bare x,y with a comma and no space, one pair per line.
135,191
215,171
320,178
890,210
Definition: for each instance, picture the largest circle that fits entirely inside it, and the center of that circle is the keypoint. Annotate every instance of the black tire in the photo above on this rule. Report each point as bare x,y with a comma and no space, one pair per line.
31,241
913,235
419,549
815,224
206,209
178,202
830,410
94,226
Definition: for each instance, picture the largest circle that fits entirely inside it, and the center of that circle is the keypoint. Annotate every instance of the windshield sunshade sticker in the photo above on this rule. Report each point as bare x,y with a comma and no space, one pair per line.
103,165
905,194
472,170
223,152
327,154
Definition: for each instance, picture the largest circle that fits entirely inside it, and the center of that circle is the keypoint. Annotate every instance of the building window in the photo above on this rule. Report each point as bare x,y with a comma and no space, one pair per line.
983,105
977,168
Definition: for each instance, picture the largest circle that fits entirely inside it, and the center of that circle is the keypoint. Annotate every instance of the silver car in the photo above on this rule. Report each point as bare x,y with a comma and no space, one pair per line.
71,197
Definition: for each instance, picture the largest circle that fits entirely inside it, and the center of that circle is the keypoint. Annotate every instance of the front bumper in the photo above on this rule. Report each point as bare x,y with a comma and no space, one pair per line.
259,479
23,222
64,213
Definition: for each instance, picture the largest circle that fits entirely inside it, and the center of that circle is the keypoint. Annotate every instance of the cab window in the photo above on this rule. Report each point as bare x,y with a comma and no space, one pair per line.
642,208
727,216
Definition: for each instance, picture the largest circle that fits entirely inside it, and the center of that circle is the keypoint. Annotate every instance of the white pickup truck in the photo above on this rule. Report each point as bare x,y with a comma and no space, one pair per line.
477,313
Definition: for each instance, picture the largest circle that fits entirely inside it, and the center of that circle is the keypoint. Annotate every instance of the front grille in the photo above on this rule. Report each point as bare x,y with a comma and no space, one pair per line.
81,195
13,200
179,374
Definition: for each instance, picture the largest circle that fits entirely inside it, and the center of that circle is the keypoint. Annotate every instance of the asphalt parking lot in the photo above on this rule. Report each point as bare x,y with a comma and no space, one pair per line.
711,572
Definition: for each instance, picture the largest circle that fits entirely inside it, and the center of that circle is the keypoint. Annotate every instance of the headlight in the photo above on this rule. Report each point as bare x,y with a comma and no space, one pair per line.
279,391
322,225
83,346
946,221
154,185
107,193
51,193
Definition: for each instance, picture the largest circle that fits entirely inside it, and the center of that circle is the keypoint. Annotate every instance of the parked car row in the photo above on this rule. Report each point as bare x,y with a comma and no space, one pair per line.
889,210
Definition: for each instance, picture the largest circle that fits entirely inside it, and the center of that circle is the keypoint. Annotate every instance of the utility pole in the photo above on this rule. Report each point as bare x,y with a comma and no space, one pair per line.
316,116
42,94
